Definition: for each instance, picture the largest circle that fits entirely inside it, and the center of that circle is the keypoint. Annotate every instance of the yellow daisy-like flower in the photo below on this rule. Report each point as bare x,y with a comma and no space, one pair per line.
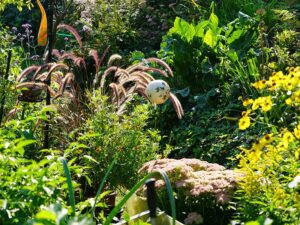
246,113
291,69
297,131
267,139
266,104
254,155
288,101
247,102
244,122
285,140
290,84
257,102
288,137
259,85
258,145
283,145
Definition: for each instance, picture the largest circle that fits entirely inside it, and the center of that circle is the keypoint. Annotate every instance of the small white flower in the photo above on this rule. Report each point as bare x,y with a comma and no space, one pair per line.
295,182
6,145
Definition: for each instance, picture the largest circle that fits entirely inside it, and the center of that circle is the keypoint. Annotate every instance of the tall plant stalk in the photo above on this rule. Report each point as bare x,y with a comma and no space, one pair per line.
5,78
48,60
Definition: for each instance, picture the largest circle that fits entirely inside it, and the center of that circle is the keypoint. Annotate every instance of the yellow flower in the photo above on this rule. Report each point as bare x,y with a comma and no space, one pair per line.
246,113
258,145
291,69
288,101
244,122
290,84
283,145
247,102
261,84
297,131
288,136
257,102
267,139
266,104
254,155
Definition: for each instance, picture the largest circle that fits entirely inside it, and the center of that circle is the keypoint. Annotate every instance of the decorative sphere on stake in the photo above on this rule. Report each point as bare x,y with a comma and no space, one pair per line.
158,91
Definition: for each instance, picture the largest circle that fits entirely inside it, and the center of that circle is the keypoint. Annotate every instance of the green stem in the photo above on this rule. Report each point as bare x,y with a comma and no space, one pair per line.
70,186
102,185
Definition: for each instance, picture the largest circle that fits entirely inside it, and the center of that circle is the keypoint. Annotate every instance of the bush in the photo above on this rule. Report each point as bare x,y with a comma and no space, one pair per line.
197,51
107,137
7,78
27,181
270,185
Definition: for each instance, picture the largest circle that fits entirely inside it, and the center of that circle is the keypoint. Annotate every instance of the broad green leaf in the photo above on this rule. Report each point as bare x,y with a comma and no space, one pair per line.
252,223
200,28
234,36
50,108
210,38
20,146
184,29
233,55
47,215
214,20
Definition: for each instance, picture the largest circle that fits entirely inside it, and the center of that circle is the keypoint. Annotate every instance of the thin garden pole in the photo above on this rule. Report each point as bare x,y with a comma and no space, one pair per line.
5,78
48,60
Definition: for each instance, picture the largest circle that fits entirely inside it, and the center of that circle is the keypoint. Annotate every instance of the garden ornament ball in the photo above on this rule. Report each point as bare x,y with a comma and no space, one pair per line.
158,91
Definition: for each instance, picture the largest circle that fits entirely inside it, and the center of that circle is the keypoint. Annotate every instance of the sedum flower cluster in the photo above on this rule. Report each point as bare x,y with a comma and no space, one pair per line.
196,178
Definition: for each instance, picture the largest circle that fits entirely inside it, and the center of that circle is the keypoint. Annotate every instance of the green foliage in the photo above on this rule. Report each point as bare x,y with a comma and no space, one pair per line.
7,95
106,137
270,166
198,50
19,3
57,215
26,183
139,184
109,23
228,8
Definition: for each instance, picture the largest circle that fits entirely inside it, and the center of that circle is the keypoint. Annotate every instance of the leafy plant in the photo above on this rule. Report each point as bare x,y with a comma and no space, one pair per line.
271,165
19,4
106,137
57,215
26,183
9,68
198,50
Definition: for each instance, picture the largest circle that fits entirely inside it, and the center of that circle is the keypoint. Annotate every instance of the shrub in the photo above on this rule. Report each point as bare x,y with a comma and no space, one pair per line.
7,78
198,50
19,4
270,184
106,137
27,181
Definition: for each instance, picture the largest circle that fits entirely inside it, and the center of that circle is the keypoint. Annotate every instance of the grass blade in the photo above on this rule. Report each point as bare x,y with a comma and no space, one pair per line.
170,194
102,185
115,211
70,186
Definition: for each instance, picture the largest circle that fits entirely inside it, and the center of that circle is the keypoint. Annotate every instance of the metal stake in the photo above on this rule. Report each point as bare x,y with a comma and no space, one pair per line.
151,200
48,60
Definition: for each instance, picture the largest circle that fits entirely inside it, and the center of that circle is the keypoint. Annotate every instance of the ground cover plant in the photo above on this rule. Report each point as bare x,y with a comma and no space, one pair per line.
203,96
